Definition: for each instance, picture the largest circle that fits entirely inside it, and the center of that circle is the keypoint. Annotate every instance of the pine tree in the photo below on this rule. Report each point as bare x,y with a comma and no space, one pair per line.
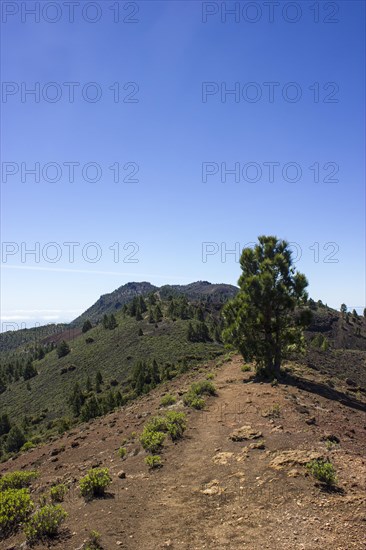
63,349
76,400
259,321
199,314
88,385
191,335
105,321
90,409
98,382
30,371
87,326
5,425
15,440
158,313
112,322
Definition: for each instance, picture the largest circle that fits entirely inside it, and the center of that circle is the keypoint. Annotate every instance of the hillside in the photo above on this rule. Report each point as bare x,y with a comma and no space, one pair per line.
213,492
113,301
40,401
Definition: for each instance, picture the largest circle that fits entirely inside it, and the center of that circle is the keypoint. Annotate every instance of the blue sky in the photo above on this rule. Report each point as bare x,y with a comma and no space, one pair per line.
167,131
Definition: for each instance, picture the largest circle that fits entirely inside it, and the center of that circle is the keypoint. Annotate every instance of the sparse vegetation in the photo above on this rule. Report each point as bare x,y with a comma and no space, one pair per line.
152,440
15,507
95,483
58,492
94,542
153,461
45,522
168,400
154,433
122,452
17,480
193,398
245,368
323,471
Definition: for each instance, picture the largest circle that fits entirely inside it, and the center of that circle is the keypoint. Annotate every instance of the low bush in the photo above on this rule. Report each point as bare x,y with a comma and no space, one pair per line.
192,400
152,440
193,397
323,471
167,400
17,480
95,483
44,523
94,541
27,446
176,424
205,387
153,461
15,507
154,432
245,368
122,451
58,492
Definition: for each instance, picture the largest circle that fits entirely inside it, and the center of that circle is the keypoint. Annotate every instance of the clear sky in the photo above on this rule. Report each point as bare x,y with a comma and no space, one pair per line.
142,96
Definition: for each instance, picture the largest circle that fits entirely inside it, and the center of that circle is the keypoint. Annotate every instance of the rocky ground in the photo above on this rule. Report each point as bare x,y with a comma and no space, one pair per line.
236,480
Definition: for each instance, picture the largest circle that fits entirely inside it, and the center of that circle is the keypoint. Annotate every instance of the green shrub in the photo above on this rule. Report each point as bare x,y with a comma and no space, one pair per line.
210,376
58,492
245,368
205,387
94,541
45,522
27,446
151,440
153,435
95,483
122,451
153,461
17,480
176,424
323,471
190,399
15,507
167,400
15,440
193,397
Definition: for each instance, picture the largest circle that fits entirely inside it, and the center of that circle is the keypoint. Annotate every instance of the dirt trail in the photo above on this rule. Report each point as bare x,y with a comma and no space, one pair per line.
244,503
212,492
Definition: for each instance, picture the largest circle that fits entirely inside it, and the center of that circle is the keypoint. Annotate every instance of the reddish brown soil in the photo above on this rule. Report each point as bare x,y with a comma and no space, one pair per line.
203,498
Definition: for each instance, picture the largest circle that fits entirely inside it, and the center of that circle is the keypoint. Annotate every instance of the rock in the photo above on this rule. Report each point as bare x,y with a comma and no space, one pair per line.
213,488
75,444
311,420
350,382
293,458
222,458
257,445
122,474
245,432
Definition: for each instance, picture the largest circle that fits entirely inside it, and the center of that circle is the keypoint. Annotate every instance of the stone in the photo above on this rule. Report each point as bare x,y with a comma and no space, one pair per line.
121,474
245,432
